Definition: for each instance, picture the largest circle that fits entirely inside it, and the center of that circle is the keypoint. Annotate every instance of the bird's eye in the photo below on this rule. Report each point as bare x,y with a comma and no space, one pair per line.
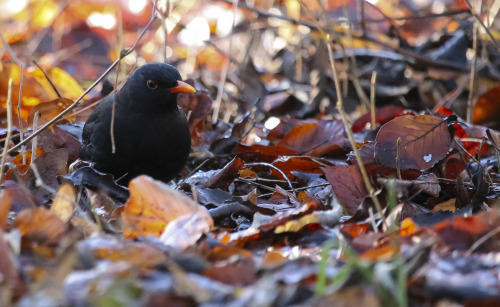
152,85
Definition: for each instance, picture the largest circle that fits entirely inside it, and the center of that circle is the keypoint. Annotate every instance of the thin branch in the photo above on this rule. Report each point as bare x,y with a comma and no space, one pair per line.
9,50
372,99
408,53
481,241
9,128
48,79
113,112
478,19
473,74
19,101
278,170
33,143
340,107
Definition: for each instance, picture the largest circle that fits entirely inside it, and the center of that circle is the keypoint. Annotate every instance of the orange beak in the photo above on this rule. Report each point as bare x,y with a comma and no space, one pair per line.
182,87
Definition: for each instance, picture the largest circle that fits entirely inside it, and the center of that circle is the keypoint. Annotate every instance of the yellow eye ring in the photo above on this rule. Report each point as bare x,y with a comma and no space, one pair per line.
152,85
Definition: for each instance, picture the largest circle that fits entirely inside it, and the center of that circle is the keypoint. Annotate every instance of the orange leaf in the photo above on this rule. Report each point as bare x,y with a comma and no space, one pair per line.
382,253
407,227
153,205
64,203
355,230
19,158
5,204
40,225
48,110
487,108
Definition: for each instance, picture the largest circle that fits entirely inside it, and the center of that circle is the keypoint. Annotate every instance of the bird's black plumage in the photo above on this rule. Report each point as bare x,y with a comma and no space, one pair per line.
150,131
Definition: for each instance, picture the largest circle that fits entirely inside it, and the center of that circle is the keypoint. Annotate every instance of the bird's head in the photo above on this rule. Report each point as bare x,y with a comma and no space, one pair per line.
154,86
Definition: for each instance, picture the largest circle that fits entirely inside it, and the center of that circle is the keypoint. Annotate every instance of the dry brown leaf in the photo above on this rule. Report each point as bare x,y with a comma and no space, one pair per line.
48,110
5,204
40,225
448,205
64,203
425,140
153,205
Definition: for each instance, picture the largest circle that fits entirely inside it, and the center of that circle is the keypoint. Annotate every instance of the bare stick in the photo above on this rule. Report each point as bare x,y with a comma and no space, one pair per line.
340,107
372,99
113,111
123,54
48,79
21,134
10,51
33,144
398,157
472,85
9,128
481,240
278,170
39,181
478,19
372,219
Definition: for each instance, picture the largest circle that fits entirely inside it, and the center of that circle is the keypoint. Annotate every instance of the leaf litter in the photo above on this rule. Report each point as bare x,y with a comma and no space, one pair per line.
272,207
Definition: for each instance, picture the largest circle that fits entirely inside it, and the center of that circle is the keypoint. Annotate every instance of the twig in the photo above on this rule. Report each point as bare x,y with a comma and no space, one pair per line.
475,160
9,128
113,112
222,81
90,106
277,169
472,85
48,79
340,107
372,99
33,144
39,181
178,184
21,134
478,19
481,240
123,54
371,217
260,185
301,188
398,157
10,51
450,96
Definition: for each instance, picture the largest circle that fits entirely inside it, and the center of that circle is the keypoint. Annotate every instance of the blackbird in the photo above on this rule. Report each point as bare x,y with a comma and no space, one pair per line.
151,133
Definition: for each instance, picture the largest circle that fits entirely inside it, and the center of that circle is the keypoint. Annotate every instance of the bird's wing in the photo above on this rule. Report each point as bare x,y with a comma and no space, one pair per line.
99,120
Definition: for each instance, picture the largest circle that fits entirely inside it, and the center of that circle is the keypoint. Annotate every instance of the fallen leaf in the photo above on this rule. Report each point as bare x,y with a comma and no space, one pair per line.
348,185
425,140
40,225
64,203
153,205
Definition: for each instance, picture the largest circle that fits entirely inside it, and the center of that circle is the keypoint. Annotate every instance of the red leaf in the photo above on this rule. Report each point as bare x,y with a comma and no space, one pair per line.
348,185
425,140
